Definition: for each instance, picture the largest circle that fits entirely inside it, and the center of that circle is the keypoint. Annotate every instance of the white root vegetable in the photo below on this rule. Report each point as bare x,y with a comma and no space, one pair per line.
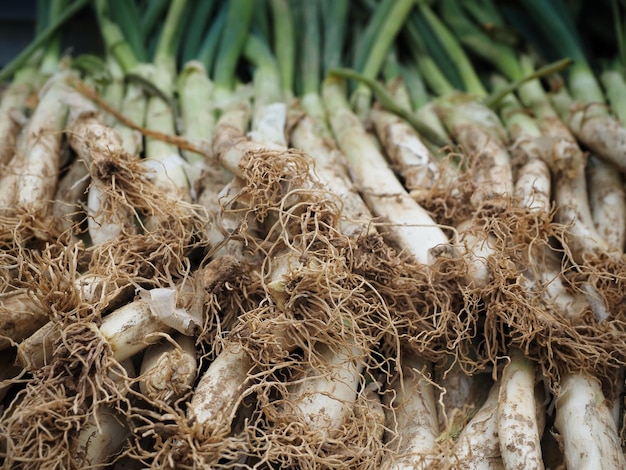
325,397
127,330
406,150
30,180
478,445
20,316
479,132
519,435
584,420
69,196
594,127
96,144
11,110
478,247
103,435
413,228
219,391
607,202
412,416
168,368
99,440
355,216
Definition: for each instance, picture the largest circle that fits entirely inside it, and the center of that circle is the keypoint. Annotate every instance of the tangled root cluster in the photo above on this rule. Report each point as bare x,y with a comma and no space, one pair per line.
299,292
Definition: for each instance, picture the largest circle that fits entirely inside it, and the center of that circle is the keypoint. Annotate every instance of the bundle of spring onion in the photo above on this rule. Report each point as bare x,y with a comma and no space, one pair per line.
315,235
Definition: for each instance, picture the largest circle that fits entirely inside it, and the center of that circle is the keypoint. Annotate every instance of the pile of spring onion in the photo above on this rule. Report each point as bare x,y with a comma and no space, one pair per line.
326,234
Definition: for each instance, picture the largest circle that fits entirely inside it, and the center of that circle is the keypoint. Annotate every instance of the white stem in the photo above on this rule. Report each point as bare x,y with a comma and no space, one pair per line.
584,420
480,134
131,328
412,416
607,202
410,226
518,431
163,159
32,177
329,166
98,440
478,446
326,396
406,150
220,389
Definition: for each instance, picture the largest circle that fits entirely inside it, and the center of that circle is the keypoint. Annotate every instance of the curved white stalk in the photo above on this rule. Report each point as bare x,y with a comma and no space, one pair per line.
607,202
408,224
12,106
195,91
102,437
519,435
325,397
480,134
329,166
412,416
31,178
406,150
585,422
220,389
478,445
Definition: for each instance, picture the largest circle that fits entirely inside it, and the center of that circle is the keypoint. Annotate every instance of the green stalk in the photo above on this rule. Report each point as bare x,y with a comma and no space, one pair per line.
423,42
126,15
334,14
417,88
615,85
114,40
165,54
394,19
472,83
151,16
208,49
435,77
309,20
309,51
268,120
261,20
266,75
50,61
285,42
388,103
477,41
18,62
164,158
200,22
232,42
367,38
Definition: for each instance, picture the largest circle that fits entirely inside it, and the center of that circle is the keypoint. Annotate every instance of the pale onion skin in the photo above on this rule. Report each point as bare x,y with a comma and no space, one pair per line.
29,183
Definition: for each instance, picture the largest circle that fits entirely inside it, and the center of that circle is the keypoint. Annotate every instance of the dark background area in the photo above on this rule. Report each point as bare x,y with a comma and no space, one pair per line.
17,29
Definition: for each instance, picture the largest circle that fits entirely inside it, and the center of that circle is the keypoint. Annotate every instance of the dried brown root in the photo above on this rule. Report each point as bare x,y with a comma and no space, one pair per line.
43,418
